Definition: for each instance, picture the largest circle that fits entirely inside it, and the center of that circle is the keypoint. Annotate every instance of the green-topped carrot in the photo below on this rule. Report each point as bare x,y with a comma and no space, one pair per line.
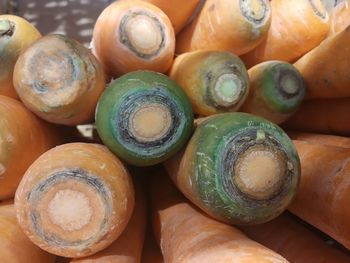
144,117
238,168
276,91
215,81
59,80
16,34
75,200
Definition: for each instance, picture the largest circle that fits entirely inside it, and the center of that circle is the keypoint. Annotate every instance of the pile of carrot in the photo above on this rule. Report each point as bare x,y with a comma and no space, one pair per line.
189,131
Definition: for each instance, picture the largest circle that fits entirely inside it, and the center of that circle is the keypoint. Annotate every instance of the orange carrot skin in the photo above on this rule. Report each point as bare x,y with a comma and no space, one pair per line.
324,190
24,137
340,17
294,241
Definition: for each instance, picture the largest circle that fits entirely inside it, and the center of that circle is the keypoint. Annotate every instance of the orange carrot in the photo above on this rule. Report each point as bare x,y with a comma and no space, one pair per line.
322,116
15,246
294,241
340,17
75,200
132,35
178,11
324,191
296,27
235,26
23,138
16,34
186,235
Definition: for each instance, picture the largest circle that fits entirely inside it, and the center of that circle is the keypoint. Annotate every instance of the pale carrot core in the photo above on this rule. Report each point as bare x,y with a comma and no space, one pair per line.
150,122
144,34
289,84
318,8
227,90
4,26
254,10
259,172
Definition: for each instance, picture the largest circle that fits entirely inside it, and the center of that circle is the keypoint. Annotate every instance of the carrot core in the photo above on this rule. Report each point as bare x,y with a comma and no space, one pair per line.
290,84
227,90
318,8
254,10
6,28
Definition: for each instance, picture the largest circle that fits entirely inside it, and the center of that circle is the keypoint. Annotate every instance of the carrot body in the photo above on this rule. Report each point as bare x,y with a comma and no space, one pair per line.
293,22
15,246
323,139
23,137
324,190
322,116
186,235
75,200
133,35
16,34
179,12
234,26
340,17
214,81
294,242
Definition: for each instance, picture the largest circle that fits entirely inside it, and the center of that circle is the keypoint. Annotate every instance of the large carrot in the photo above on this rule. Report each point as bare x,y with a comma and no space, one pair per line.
214,81
23,138
324,192
296,27
186,235
322,116
179,11
133,35
75,200
332,79
16,34
325,139
235,26
59,80
276,91
15,246
144,117
340,17
238,168
294,241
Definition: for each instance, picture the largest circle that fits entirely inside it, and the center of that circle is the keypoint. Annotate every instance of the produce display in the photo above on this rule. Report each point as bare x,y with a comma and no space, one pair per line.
186,132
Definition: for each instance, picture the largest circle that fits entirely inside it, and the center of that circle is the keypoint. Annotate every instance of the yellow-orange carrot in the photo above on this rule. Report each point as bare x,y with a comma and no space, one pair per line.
294,241
23,138
235,26
186,235
340,17
75,200
296,27
324,192
133,35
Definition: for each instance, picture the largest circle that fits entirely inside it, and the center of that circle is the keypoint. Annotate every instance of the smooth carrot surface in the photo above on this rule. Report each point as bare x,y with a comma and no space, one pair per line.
296,27
234,26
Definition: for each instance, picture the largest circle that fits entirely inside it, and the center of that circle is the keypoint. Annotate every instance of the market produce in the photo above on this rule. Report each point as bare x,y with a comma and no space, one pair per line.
151,252
340,17
323,139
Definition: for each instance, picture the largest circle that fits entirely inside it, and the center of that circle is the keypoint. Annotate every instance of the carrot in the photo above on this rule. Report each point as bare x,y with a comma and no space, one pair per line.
234,26
15,246
332,80
59,80
128,247
188,236
294,241
214,81
144,117
322,116
151,252
238,168
296,27
23,137
75,200
178,11
133,35
276,91
16,34
340,17
324,189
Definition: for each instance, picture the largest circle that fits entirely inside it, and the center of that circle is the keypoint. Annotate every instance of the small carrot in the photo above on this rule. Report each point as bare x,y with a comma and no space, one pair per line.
294,241
234,26
296,27
324,191
214,81
328,116
179,12
16,34
186,235
276,91
340,17
133,35
59,80
75,200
